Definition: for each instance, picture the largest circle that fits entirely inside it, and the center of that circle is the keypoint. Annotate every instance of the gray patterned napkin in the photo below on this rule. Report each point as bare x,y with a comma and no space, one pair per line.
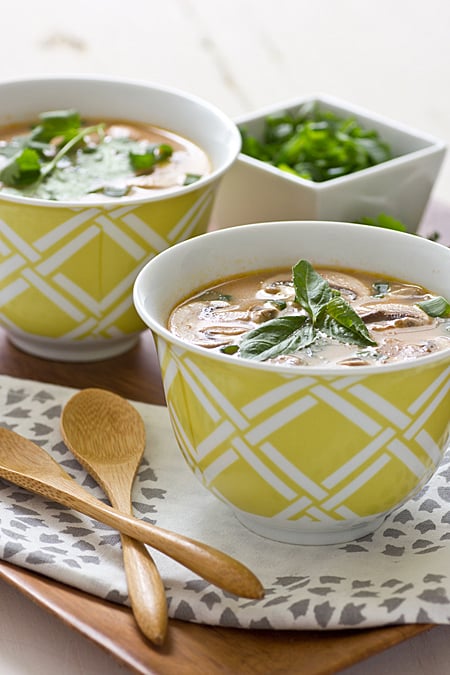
400,574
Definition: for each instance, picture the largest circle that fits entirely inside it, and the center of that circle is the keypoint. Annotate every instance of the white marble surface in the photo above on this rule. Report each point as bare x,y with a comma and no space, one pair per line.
392,57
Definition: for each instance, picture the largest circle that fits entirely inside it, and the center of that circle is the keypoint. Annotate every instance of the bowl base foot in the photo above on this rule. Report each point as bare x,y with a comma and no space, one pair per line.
75,351
313,536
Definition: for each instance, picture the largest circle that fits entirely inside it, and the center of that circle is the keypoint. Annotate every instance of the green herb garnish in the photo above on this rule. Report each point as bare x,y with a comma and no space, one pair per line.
343,323
438,307
229,349
381,288
315,144
63,159
327,314
71,143
64,124
191,178
145,160
284,335
434,236
312,291
27,167
22,169
383,220
279,304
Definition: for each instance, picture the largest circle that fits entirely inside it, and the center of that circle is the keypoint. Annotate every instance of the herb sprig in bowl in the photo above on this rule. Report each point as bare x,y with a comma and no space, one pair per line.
326,313
316,144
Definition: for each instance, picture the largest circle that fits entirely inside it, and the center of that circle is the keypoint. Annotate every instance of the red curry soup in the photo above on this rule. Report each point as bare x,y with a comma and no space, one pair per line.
315,317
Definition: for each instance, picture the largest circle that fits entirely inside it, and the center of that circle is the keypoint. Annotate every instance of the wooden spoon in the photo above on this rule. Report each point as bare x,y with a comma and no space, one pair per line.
24,463
107,436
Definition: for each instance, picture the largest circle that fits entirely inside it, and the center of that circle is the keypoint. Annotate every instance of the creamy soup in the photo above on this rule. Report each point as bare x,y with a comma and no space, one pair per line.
61,157
315,317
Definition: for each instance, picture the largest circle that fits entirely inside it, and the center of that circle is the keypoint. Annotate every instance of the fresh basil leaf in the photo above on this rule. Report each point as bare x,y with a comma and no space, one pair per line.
283,335
333,329
23,169
340,311
438,307
312,291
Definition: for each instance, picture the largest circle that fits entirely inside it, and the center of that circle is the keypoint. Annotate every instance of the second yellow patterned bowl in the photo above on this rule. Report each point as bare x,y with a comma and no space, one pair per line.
66,268
301,454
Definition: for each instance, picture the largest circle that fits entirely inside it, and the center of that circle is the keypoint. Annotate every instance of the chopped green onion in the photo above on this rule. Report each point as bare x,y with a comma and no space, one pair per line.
381,288
191,178
315,144
143,162
229,349
279,304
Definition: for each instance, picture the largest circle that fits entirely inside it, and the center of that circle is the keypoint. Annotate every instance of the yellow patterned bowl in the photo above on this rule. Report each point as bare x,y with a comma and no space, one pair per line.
301,454
67,269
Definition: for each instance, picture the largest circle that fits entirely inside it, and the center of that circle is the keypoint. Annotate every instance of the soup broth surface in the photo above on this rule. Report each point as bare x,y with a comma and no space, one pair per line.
99,165
219,317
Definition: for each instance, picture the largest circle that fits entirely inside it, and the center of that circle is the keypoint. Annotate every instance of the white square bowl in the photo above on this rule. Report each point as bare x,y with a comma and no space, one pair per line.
254,191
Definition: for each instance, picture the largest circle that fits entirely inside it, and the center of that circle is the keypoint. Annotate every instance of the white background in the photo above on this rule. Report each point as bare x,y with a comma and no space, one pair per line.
391,56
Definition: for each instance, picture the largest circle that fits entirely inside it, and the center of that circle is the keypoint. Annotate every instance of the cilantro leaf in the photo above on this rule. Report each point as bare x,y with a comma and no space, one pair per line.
33,161
71,143
57,123
22,169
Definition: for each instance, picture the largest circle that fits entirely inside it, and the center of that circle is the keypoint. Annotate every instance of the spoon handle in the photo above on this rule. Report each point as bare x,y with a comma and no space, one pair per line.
213,565
145,586
145,590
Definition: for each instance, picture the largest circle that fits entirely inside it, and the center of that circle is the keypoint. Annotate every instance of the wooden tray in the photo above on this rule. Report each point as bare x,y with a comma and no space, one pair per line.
189,648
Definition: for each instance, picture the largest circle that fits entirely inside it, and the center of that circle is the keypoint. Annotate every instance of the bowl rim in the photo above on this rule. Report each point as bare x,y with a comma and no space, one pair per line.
435,144
325,371
181,190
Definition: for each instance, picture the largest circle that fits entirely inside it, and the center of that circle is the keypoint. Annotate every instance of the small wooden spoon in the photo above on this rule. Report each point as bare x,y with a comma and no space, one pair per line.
24,463
107,436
